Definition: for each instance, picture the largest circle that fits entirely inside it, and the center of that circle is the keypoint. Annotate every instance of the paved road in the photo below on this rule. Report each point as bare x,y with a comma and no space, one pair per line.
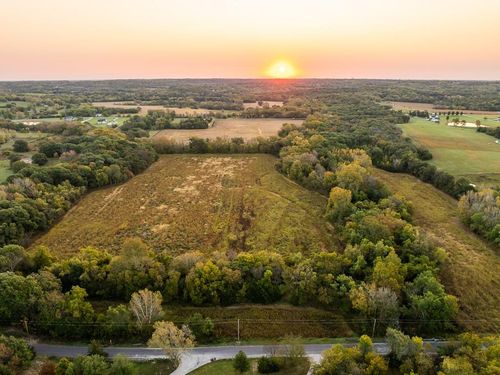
195,357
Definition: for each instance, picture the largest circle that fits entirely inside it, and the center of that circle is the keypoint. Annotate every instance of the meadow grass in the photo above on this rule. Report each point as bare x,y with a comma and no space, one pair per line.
259,323
204,202
156,367
5,170
230,128
471,272
459,151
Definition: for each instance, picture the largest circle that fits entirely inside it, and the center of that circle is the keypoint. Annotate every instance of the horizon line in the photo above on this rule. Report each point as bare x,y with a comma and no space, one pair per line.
244,78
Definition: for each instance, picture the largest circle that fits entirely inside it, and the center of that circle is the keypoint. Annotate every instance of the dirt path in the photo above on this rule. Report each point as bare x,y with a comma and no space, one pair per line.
474,266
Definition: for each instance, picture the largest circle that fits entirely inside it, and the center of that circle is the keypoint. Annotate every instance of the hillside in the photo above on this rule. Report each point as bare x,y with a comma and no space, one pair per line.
472,270
204,203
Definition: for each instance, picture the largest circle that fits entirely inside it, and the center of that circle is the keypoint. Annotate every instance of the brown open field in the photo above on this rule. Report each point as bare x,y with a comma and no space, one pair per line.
256,104
231,128
145,108
206,202
407,106
473,267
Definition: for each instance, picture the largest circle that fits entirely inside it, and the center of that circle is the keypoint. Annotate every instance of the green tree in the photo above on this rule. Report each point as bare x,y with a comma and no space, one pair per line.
202,328
39,159
15,353
11,256
20,145
134,269
90,365
205,283
429,304
19,296
339,360
241,362
339,205
351,176
121,365
64,367
389,272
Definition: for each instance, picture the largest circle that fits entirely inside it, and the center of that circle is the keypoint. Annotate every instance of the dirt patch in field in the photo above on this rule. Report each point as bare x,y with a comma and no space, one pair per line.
230,128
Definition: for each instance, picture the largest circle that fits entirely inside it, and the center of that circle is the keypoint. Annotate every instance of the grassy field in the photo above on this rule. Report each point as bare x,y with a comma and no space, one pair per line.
19,104
408,106
206,203
459,151
94,120
157,367
4,170
232,127
261,322
472,270
225,367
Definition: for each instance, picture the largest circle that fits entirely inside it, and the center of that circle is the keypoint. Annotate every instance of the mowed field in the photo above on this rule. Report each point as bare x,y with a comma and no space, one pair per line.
459,151
206,203
472,269
230,128
408,106
225,367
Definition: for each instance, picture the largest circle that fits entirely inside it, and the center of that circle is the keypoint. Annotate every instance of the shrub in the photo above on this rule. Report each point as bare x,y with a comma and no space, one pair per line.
48,368
39,158
20,145
95,348
18,165
268,365
241,362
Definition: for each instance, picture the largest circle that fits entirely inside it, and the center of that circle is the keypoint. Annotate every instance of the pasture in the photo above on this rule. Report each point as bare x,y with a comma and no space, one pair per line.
462,152
409,106
206,202
471,272
230,128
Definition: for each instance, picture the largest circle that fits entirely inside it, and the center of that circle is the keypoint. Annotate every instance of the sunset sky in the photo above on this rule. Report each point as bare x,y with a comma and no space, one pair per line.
97,39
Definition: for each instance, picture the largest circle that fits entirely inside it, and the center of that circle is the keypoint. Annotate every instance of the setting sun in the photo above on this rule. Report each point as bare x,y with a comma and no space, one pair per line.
281,69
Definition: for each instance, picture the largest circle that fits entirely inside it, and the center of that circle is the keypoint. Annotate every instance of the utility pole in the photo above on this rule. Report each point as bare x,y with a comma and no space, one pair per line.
25,323
238,330
373,330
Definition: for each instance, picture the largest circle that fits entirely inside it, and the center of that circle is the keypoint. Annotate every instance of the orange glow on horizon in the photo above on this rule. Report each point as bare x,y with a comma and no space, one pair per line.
95,39
281,69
